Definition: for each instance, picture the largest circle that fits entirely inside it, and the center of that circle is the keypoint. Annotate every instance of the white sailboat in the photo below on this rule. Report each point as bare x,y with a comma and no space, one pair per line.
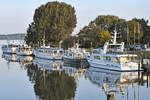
113,57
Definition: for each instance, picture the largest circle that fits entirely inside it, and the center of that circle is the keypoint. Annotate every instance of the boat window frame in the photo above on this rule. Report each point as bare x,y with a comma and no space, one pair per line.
96,57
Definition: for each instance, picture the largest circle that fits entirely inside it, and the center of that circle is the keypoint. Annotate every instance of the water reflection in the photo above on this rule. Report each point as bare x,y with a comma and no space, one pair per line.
76,63
48,64
115,83
54,80
71,69
9,57
23,60
51,85
74,70
145,61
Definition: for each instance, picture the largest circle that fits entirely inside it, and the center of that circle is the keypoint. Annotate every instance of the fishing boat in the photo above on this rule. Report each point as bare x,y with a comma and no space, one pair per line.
113,57
75,54
10,48
24,50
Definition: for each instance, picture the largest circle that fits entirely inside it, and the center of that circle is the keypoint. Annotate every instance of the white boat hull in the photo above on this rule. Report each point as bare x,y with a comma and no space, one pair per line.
131,66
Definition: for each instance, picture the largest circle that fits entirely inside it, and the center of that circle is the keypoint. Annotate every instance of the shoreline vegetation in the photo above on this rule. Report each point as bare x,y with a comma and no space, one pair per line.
55,21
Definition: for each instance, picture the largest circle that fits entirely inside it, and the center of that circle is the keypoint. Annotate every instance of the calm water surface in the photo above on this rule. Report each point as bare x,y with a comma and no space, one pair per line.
25,78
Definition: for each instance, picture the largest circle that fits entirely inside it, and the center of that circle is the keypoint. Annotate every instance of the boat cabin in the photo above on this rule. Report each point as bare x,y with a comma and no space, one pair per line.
51,50
10,46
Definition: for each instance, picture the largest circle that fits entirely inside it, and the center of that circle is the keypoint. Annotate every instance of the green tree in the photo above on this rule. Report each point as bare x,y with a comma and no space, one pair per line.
146,30
69,42
104,36
108,21
135,32
90,35
54,22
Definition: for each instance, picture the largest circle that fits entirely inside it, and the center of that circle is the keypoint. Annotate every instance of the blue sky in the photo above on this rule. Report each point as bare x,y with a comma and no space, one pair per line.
15,15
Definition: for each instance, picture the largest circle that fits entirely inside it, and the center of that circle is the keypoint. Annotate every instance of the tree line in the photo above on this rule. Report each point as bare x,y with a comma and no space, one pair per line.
132,32
54,22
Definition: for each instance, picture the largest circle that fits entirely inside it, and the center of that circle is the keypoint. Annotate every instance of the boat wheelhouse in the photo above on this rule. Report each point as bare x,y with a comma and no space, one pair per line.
49,53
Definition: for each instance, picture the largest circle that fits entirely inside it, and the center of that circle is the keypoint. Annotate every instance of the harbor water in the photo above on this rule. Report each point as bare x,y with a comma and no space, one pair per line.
29,78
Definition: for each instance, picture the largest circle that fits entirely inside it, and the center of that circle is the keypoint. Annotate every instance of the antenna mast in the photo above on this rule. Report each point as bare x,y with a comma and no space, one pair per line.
127,34
115,35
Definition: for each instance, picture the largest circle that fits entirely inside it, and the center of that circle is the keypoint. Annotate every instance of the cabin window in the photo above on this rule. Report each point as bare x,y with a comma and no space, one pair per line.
55,52
116,60
70,54
127,58
124,59
44,51
40,50
97,57
108,58
49,51
61,52
132,58
79,55
96,51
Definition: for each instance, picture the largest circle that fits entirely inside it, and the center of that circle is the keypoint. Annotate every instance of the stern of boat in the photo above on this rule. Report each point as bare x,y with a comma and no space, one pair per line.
130,66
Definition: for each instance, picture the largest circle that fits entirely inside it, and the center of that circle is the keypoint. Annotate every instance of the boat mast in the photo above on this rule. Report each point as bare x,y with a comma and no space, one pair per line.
115,35
138,33
134,33
127,34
